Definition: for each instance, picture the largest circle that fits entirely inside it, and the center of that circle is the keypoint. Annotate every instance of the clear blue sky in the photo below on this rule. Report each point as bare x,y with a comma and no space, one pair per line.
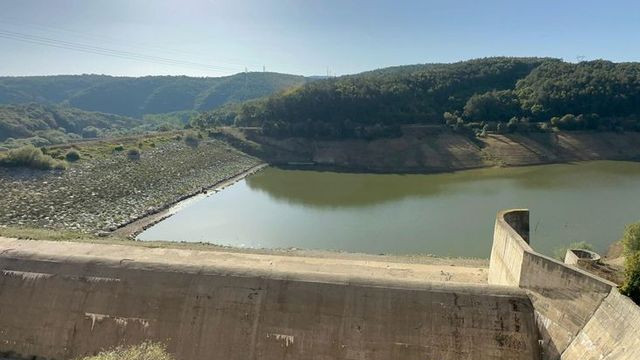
302,36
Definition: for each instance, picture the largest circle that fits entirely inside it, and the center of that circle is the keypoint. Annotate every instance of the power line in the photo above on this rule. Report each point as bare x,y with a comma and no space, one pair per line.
103,51
21,22
128,55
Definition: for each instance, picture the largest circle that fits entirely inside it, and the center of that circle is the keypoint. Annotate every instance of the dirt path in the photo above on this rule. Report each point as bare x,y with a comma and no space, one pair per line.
343,268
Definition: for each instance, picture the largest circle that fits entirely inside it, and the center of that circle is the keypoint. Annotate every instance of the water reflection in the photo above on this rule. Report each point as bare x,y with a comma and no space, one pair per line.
444,214
335,190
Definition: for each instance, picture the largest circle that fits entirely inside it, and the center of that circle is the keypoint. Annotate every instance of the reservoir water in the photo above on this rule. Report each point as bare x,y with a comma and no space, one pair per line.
449,214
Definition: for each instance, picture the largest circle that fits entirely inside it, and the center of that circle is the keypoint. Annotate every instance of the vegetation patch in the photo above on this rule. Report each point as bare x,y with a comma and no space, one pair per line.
72,155
41,125
144,351
631,239
31,157
631,284
34,233
192,138
134,154
631,249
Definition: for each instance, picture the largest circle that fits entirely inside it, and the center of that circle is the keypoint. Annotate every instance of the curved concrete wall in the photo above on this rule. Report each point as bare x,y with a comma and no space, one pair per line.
57,308
571,305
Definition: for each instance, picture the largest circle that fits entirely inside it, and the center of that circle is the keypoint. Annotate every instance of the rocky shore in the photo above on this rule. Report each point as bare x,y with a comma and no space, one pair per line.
106,192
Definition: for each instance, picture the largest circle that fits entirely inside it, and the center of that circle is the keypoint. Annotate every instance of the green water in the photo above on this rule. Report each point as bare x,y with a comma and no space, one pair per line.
449,214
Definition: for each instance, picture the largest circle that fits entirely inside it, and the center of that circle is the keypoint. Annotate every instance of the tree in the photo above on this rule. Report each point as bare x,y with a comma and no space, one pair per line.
567,122
512,125
91,132
492,106
631,284
631,249
631,239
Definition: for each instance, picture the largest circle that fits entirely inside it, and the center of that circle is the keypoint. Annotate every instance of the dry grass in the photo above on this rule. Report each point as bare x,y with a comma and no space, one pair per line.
144,351
31,157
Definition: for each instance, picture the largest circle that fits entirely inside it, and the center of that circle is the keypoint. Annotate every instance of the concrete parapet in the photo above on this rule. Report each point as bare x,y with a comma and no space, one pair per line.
509,247
56,307
580,257
565,298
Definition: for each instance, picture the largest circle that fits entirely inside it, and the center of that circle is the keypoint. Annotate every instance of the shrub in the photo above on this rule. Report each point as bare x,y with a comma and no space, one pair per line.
631,284
72,155
118,148
631,239
91,132
32,157
144,351
134,153
192,139
37,141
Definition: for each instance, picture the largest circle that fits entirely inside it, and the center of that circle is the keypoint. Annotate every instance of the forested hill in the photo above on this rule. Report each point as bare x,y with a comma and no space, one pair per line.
136,97
40,124
492,94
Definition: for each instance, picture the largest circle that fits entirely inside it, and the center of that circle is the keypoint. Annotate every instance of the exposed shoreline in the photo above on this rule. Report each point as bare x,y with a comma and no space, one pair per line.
443,151
135,227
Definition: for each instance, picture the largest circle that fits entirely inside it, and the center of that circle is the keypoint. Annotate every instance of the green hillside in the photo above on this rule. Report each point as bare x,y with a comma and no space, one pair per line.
137,97
492,94
53,124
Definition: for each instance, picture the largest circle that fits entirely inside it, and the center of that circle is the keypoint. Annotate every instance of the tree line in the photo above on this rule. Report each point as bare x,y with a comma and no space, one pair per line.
499,94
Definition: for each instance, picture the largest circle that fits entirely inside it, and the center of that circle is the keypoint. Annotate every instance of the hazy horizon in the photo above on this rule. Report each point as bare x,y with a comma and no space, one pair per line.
217,38
250,72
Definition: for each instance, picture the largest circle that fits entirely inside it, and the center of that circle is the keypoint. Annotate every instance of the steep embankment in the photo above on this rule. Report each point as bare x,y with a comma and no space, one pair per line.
432,150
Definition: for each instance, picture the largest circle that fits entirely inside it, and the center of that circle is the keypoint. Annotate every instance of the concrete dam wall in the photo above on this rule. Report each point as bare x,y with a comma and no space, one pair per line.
61,307
63,300
579,315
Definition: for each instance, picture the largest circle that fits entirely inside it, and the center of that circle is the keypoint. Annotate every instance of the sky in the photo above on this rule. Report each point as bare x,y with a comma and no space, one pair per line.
217,38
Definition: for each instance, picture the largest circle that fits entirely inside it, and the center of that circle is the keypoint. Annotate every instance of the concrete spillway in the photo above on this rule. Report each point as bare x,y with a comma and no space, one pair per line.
579,315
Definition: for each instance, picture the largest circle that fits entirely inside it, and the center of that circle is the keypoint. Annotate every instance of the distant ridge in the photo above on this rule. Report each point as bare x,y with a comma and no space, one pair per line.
40,124
137,96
